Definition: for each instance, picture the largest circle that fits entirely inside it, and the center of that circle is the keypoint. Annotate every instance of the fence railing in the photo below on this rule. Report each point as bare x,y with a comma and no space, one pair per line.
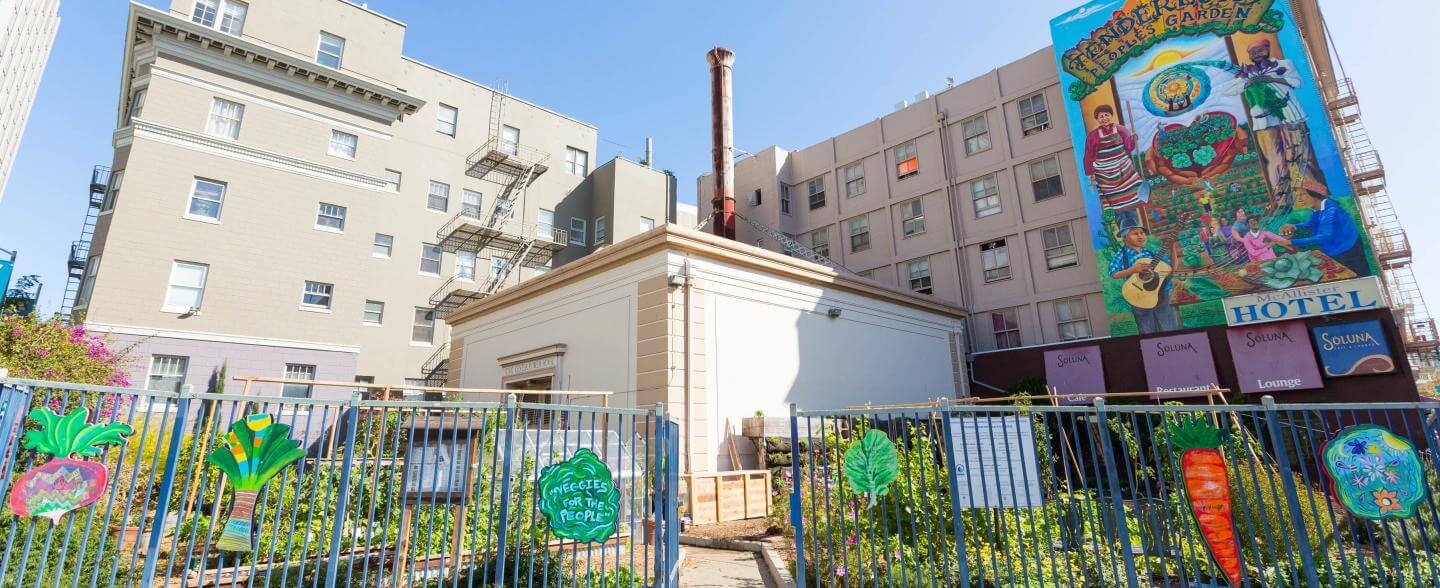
1103,495
375,493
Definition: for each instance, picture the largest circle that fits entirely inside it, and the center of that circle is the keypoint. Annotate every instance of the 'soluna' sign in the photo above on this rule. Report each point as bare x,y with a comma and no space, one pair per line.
1295,303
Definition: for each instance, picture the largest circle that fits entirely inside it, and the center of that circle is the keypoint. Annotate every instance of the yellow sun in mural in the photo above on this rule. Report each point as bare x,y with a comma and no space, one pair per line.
1163,60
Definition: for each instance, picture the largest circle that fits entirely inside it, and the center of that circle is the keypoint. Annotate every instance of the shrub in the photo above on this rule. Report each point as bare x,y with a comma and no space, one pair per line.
52,350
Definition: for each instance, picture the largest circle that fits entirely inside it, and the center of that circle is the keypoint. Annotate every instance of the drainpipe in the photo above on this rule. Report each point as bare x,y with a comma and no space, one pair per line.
961,256
688,277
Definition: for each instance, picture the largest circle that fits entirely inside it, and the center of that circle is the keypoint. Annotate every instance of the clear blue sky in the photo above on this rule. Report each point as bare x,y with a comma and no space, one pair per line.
805,71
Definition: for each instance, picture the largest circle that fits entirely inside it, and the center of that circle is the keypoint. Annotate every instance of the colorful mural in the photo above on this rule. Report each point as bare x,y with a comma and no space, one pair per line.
1208,166
579,499
255,450
1374,473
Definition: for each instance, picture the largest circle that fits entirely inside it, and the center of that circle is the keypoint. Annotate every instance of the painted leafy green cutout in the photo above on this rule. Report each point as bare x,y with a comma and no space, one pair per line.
871,465
579,499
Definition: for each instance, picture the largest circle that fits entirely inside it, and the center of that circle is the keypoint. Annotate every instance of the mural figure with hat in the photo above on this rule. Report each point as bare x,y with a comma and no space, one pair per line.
1110,164
1279,124
1146,275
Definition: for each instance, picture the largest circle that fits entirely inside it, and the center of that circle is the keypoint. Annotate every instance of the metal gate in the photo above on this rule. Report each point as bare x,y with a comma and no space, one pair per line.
1116,496
380,493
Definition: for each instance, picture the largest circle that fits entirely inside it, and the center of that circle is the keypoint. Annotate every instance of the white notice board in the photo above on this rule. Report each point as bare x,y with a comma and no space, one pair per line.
995,462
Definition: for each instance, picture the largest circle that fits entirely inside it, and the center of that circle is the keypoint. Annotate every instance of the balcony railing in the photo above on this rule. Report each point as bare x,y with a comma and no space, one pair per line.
508,158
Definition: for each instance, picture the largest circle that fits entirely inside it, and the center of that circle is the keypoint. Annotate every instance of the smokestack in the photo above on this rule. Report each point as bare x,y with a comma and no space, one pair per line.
649,152
722,134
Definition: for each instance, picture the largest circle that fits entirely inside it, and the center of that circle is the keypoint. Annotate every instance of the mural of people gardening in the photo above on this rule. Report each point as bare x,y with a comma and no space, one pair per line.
1201,138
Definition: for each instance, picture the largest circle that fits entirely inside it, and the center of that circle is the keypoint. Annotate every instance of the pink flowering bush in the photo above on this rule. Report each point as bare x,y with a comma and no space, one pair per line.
52,350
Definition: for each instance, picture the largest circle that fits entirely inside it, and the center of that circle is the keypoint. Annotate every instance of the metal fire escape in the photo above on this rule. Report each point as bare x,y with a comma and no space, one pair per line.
508,241
1387,236
80,249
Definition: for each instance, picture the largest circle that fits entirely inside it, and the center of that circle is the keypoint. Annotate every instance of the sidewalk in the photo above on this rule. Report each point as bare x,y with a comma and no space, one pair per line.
706,568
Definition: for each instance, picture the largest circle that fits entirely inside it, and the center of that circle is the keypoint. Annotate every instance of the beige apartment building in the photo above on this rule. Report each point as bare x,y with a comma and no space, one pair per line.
971,195
27,30
292,196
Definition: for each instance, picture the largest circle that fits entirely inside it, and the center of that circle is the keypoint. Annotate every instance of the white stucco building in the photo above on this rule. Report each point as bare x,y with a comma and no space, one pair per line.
715,329
27,30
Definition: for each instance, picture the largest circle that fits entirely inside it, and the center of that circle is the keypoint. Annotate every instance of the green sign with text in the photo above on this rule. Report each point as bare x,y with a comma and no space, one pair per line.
579,499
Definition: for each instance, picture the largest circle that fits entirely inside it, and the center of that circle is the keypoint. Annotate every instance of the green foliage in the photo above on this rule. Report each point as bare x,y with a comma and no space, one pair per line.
1287,269
1195,433
72,434
871,464
247,466
1205,288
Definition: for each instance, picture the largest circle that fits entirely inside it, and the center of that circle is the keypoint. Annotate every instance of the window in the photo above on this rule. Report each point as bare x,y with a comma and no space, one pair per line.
577,231
414,389
1072,319
907,161
784,199
317,295
295,371
986,194
112,192
465,265
167,373
423,329
343,144
510,140
1034,117
816,189
820,242
374,313
545,221
1059,247
187,287
646,223
1006,326
600,230
382,245
330,217
445,118
499,268
430,259
87,284
392,180
1045,178
439,196
331,51
225,118
976,131
577,162
920,276
912,217
470,203
205,199
755,197
137,104
231,15
996,260
854,179
859,234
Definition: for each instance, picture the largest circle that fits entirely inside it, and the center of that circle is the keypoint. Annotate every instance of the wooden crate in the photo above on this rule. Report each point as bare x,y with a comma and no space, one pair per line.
717,497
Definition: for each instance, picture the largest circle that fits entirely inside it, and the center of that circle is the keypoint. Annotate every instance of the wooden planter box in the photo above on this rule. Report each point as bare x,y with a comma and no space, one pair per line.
717,497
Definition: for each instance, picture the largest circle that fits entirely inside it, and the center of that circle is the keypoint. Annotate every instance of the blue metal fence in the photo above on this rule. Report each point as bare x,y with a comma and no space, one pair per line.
389,493
1101,495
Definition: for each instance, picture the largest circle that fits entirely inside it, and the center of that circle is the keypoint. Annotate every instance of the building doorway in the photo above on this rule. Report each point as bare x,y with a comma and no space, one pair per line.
532,417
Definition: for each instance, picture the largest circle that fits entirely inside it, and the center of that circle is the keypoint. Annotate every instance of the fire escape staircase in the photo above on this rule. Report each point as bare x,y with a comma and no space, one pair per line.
437,367
80,249
789,245
1387,236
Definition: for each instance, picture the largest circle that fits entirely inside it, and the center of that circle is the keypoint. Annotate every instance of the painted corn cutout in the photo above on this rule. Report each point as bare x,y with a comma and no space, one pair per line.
255,449
1207,489
64,484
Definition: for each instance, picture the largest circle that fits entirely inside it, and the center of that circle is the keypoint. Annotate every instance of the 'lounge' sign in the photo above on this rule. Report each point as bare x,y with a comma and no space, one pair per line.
1295,303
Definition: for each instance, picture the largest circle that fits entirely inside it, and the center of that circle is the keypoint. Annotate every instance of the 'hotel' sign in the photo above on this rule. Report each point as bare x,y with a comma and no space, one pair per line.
1296,303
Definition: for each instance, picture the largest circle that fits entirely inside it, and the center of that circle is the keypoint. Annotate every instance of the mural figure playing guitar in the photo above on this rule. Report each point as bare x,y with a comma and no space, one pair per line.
1147,279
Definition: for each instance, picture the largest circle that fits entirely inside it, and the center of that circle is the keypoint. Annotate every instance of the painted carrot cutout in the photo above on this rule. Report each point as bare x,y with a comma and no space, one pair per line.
64,484
1207,488
255,450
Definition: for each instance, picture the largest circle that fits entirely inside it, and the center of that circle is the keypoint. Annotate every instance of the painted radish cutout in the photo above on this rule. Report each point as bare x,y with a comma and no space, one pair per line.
1207,489
64,484
254,451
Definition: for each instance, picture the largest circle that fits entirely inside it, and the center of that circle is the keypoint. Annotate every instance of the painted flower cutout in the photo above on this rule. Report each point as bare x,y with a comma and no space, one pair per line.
1385,499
